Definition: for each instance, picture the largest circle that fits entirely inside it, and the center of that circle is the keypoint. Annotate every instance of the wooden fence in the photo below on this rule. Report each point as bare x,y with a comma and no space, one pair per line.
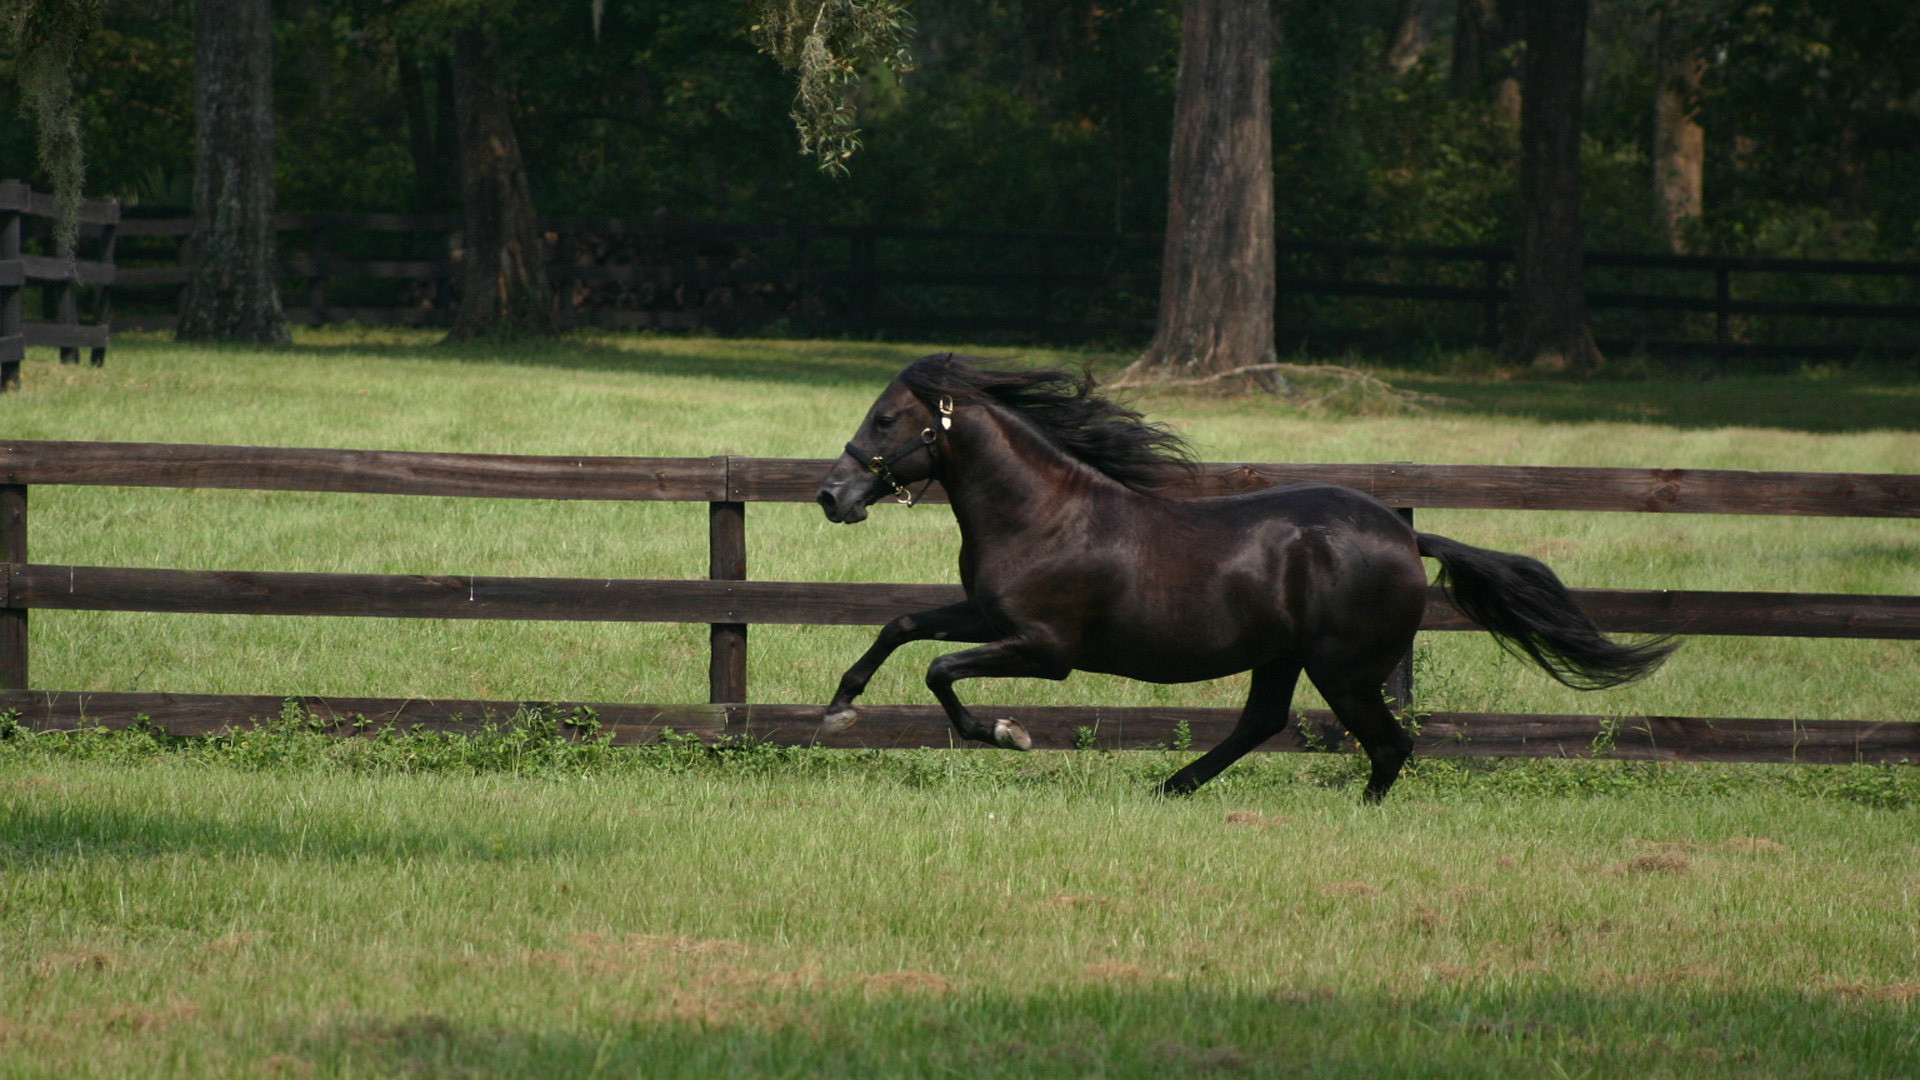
728,602
625,273
60,281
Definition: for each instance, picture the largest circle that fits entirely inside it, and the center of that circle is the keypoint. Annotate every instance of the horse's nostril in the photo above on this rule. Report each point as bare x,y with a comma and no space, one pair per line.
826,501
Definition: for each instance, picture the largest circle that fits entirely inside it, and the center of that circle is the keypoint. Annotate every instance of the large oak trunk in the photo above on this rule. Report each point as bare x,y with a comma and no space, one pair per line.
506,275
1550,329
1484,35
1217,272
233,293
1410,34
1679,146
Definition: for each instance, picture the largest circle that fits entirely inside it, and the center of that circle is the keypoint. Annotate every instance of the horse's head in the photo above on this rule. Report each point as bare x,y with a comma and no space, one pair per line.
896,445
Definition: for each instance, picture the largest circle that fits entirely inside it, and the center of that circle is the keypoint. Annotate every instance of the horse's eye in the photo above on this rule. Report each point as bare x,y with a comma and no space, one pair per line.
883,421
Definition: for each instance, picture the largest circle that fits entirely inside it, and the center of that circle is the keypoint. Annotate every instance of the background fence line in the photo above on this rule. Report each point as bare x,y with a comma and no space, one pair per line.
906,281
60,280
729,603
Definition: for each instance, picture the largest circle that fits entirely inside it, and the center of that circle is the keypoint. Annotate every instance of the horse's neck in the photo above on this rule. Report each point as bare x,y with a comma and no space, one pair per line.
1003,476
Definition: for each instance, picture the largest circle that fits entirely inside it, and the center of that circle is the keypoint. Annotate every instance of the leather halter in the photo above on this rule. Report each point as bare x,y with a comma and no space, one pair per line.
882,466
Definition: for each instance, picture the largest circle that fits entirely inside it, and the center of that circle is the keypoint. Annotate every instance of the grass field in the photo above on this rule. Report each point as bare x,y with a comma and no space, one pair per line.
277,903
676,397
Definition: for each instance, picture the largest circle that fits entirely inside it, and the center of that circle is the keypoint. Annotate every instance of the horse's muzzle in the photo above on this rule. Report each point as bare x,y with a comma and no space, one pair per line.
844,497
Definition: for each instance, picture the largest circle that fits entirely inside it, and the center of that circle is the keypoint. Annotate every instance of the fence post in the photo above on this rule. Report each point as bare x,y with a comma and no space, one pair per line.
727,561
1490,314
1722,297
1400,680
317,284
13,342
13,620
103,293
67,311
865,317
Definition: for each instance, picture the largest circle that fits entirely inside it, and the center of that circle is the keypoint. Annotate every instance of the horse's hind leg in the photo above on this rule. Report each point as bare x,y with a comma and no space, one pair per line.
1008,658
1355,696
1265,714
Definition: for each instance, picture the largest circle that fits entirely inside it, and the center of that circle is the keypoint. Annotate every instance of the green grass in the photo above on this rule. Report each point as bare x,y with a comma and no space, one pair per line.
639,395
281,903
289,910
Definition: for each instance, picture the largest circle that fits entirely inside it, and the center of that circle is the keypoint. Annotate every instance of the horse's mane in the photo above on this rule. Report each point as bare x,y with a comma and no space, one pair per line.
1062,407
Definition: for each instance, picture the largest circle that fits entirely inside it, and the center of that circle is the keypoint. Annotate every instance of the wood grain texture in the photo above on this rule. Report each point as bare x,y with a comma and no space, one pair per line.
1484,487
1654,738
1489,487
95,588
383,472
92,588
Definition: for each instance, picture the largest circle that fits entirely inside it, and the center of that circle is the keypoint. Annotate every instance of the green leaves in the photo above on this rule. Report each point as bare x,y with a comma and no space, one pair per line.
827,44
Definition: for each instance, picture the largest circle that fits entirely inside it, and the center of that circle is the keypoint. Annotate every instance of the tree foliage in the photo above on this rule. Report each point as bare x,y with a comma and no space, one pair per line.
1030,114
827,44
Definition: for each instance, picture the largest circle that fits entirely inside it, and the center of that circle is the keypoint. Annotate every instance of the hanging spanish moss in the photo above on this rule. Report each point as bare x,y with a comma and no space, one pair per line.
827,43
44,36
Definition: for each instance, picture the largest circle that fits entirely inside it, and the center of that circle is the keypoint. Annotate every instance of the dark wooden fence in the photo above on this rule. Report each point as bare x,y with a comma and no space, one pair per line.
728,602
912,282
60,281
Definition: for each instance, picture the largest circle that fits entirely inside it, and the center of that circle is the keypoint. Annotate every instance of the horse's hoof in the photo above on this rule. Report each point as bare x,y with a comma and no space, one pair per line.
836,722
1009,735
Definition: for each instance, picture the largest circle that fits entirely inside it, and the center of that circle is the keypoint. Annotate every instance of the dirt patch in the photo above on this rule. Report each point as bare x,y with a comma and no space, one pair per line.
601,954
1352,889
284,1065
907,982
644,944
68,963
1663,978
1903,990
1254,819
1181,1058
13,1033
143,1018
1755,845
1428,920
1655,862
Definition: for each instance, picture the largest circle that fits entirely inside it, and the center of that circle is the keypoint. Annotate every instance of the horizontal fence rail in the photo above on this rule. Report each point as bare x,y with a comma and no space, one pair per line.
419,596
737,479
635,273
729,604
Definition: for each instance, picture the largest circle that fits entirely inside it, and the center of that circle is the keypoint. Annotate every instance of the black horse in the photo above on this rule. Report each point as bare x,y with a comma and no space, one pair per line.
1076,554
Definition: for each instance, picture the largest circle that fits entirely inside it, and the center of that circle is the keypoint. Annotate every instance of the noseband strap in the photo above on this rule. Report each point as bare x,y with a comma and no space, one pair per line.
882,467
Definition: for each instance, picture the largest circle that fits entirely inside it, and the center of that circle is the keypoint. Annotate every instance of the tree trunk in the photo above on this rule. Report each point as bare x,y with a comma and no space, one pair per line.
1484,35
1550,329
233,293
1217,271
1410,34
506,275
1679,146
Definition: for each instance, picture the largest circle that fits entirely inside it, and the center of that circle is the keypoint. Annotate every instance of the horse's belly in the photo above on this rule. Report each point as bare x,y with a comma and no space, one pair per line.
1158,658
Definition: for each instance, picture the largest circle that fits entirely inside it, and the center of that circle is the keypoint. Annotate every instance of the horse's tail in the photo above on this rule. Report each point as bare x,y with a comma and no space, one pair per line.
1531,613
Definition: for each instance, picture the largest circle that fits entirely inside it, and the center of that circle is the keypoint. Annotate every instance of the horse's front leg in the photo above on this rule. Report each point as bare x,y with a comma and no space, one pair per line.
955,622
1008,658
